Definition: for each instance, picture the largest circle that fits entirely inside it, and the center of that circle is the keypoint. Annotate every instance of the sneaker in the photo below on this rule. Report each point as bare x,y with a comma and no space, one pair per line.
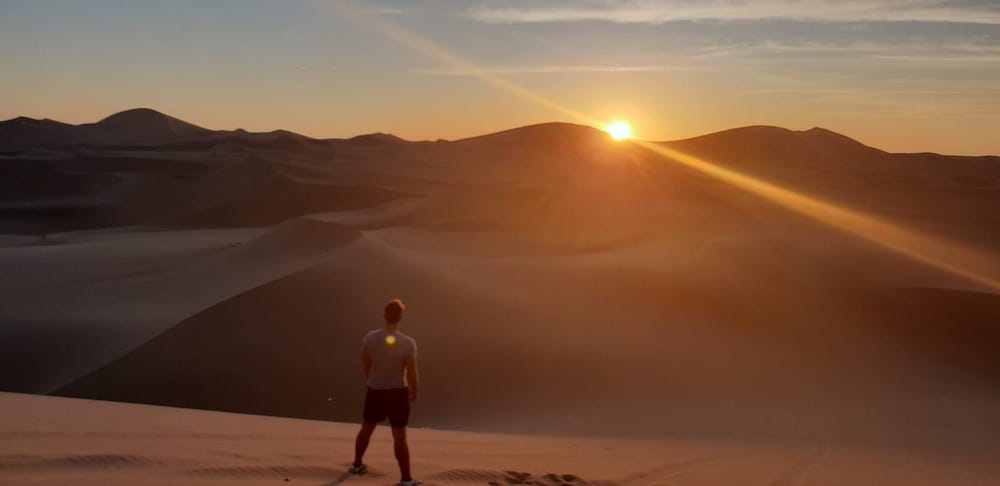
409,483
359,470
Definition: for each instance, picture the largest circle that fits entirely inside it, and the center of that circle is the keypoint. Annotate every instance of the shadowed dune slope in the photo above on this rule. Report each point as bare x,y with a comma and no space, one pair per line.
257,192
86,192
748,338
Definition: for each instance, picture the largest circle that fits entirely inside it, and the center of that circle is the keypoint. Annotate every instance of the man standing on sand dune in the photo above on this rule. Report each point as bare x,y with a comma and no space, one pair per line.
389,360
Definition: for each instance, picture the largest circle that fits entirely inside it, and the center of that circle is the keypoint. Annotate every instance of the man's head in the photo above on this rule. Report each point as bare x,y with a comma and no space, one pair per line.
394,311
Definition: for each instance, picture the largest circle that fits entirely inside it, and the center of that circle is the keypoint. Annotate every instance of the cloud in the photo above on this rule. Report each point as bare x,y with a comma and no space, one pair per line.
477,71
386,11
970,51
662,11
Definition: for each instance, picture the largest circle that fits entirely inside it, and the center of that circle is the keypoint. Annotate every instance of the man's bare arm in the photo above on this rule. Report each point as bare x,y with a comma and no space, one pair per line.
366,362
412,378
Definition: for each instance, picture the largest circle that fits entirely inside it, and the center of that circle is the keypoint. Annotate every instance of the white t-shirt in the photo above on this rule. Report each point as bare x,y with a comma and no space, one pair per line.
389,352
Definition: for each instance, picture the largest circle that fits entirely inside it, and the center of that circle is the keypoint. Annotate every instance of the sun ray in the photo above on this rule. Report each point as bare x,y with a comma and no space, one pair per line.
407,39
932,251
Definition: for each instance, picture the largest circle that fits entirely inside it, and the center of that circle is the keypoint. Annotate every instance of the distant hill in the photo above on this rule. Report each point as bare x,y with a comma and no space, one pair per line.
146,125
753,142
139,127
377,138
543,133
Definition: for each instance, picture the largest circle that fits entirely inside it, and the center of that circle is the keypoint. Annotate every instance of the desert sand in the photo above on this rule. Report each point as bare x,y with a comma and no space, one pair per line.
48,440
559,284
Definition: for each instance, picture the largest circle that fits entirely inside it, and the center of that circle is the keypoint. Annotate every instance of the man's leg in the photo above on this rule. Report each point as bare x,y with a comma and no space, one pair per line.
361,443
402,452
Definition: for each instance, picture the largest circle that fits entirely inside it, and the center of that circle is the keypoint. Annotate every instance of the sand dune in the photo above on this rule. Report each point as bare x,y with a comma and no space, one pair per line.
697,360
137,127
256,192
557,283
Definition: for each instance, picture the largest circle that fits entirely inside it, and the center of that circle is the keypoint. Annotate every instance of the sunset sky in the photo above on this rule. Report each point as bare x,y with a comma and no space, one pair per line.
915,75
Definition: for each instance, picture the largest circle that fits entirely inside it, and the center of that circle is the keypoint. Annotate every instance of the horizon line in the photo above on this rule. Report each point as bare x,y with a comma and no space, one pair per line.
442,139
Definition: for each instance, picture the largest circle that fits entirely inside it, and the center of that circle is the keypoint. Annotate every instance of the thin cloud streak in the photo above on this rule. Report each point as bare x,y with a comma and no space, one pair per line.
777,51
478,71
663,11
783,91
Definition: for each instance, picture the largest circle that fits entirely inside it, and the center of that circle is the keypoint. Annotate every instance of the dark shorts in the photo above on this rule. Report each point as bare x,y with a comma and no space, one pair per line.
393,403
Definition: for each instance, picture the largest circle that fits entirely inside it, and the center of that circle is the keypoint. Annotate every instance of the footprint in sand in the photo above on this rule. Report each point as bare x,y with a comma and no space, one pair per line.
514,477
508,478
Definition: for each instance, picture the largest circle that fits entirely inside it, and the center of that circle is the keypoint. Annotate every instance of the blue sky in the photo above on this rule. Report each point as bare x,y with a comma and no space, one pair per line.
901,75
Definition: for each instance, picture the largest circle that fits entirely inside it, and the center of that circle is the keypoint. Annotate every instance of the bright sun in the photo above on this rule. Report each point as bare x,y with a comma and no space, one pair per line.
619,130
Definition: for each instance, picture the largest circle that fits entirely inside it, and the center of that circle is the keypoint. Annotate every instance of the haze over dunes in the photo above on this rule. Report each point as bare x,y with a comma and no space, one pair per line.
558,282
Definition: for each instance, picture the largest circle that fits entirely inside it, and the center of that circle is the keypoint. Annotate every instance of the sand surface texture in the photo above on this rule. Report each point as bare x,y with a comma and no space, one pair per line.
49,440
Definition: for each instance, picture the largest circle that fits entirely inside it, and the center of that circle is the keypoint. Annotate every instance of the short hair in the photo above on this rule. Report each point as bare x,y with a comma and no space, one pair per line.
394,311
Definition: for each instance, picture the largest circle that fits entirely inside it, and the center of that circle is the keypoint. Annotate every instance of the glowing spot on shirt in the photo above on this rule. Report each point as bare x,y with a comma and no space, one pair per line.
390,340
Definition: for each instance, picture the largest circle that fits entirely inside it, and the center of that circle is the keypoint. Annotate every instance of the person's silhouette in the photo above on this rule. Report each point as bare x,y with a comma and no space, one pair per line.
389,361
